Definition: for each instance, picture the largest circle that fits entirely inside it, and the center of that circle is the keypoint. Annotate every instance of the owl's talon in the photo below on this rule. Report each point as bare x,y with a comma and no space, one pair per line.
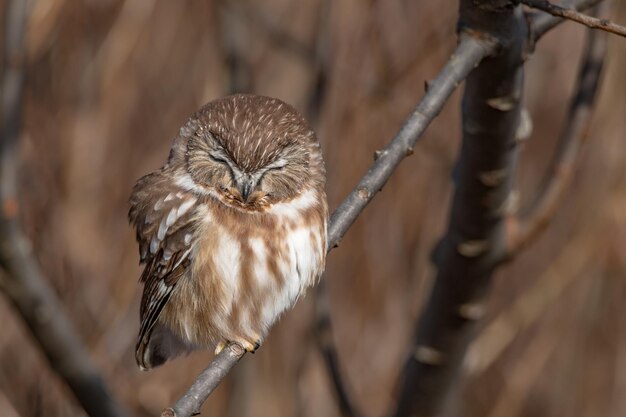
220,347
248,346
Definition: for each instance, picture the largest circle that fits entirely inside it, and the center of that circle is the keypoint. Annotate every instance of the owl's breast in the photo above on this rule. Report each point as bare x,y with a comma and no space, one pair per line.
248,268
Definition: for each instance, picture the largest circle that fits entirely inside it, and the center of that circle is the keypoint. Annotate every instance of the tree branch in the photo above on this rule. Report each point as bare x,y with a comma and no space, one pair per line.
544,22
24,283
324,333
469,52
190,403
589,21
572,138
469,251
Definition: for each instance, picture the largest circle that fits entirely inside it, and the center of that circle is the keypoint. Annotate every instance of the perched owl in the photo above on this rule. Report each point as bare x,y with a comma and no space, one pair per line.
232,230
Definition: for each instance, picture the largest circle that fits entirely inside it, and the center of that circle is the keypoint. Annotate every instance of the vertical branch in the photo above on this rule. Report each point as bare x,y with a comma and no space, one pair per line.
474,240
24,282
571,141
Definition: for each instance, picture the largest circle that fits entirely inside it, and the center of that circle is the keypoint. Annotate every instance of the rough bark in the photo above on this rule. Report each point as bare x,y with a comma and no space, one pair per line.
474,240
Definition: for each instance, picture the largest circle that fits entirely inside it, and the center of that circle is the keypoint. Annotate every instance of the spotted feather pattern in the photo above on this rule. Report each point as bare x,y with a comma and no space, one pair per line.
163,216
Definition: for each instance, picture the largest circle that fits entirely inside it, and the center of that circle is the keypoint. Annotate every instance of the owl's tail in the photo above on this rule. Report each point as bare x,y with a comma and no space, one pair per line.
159,347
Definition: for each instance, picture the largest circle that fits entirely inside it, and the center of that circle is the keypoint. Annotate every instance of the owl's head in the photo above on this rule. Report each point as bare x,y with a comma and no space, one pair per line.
251,150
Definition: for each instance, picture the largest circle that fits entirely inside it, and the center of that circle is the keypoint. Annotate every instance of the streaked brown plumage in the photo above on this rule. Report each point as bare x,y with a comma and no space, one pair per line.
232,229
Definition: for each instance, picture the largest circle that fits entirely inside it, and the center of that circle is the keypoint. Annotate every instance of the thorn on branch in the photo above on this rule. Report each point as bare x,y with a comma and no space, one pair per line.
510,206
492,178
472,311
473,248
429,355
525,127
503,103
364,193
378,154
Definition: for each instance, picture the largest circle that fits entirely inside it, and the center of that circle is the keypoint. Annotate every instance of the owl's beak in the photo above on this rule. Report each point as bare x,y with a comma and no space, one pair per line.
246,186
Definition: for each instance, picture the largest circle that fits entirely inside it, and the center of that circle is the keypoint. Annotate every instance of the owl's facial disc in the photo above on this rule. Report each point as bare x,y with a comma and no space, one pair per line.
252,178
249,183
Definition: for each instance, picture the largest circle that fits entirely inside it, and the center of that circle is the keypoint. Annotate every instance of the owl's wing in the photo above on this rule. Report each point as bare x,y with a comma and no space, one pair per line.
164,218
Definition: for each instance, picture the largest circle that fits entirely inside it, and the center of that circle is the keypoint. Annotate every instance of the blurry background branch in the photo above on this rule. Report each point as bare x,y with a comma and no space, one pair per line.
23,281
483,175
571,141
589,21
544,22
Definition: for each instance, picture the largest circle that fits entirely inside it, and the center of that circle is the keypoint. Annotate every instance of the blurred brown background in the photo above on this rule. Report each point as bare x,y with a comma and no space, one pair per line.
109,82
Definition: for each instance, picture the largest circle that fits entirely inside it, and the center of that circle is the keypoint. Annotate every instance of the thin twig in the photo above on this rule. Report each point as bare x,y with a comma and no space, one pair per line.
324,336
544,22
23,282
573,15
469,52
573,136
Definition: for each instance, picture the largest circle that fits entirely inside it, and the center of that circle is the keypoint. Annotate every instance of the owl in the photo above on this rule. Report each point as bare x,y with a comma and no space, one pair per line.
231,230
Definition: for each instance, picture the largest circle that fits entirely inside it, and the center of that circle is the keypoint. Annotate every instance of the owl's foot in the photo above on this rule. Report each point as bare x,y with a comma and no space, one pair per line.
220,347
250,347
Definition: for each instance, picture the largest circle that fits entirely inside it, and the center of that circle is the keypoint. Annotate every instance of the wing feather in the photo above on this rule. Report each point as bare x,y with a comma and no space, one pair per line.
164,217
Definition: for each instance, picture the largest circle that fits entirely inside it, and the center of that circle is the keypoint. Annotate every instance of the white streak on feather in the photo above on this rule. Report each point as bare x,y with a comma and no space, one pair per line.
158,205
182,258
166,223
293,208
261,271
184,208
171,218
154,244
227,265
